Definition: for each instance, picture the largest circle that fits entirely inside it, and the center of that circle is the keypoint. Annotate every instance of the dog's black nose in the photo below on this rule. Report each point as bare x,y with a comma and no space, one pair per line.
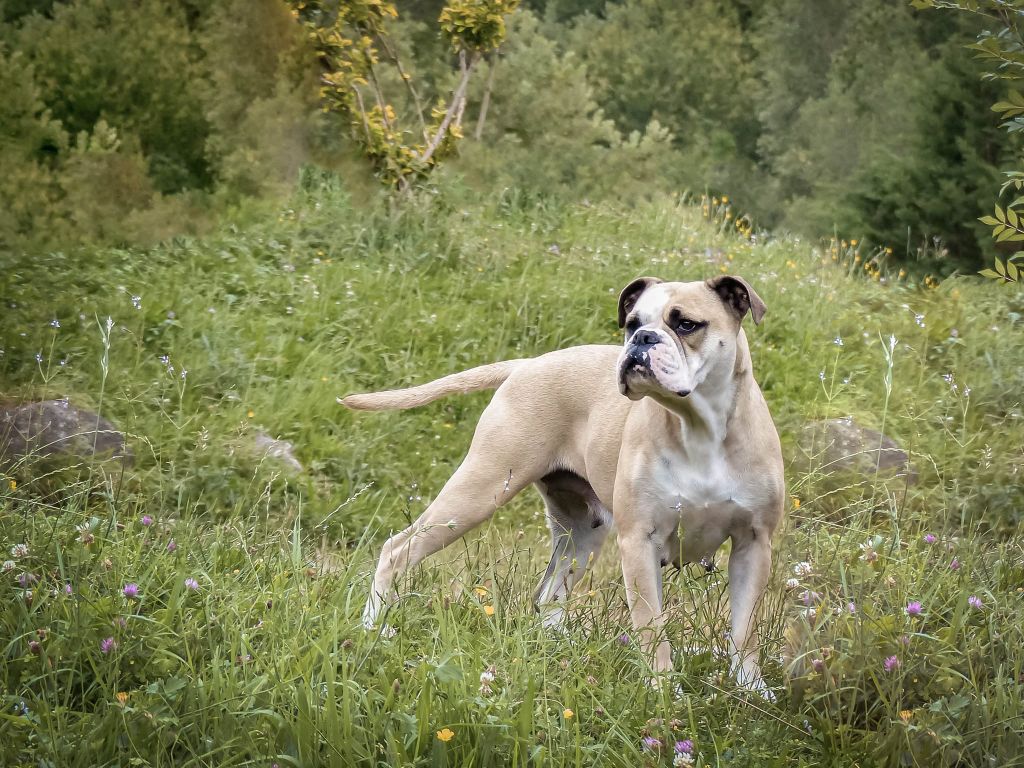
644,338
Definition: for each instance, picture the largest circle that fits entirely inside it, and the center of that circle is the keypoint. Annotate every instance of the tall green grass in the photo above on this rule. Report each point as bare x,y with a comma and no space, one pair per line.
261,660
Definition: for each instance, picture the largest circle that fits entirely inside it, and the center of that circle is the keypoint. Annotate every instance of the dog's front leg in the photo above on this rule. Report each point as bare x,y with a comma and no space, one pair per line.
641,573
749,566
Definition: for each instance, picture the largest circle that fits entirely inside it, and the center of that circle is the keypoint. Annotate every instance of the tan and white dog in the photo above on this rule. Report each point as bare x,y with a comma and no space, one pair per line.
668,431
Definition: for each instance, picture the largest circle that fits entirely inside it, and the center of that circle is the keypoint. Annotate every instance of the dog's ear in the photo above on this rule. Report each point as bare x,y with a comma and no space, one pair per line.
630,294
738,296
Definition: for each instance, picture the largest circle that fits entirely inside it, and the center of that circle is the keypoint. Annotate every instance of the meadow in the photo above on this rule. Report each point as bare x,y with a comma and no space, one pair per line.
200,606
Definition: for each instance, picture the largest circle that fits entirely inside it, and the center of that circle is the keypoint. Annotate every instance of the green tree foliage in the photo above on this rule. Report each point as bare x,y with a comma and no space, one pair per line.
127,121
1000,45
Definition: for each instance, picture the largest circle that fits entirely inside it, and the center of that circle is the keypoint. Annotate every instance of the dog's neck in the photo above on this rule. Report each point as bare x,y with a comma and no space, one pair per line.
707,413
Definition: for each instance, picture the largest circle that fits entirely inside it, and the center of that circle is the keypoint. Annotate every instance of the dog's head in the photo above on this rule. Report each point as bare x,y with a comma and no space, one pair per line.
679,335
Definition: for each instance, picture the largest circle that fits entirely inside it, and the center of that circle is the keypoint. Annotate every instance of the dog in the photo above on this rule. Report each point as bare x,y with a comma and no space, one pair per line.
668,431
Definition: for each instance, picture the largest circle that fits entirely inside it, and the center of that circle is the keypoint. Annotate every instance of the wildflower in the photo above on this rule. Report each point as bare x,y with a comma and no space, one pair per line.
954,564
796,502
55,323
891,664
137,302
905,715
489,610
8,566
26,580
821,375
122,697
67,589
929,538
868,553
250,413
108,644
685,747
913,608
623,639
792,583
19,550
809,597
651,744
146,520
192,584
838,341
131,590
851,607
171,546
975,602
904,639
480,591
568,713
803,568
446,734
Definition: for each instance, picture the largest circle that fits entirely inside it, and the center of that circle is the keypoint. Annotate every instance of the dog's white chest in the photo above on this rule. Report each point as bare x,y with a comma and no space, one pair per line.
703,493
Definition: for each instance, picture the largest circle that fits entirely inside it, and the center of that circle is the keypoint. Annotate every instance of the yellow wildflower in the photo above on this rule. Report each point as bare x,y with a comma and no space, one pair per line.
796,502
122,697
12,484
489,610
480,591
905,715
251,413
446,734
567,714
724,199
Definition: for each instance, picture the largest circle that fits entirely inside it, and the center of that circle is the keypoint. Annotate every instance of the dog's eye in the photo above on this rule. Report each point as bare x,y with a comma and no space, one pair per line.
685,326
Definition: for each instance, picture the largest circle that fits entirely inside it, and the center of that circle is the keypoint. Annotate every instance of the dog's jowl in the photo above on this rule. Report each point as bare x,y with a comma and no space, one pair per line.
668,430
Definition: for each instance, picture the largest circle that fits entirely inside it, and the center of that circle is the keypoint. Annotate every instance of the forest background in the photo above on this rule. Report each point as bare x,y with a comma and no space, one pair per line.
127,123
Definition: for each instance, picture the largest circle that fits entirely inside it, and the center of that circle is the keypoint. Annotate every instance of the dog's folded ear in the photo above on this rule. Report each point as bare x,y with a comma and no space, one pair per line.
630,294
738,296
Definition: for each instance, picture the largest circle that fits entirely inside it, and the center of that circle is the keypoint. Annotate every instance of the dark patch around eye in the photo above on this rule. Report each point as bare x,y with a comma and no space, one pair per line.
632,324
682,325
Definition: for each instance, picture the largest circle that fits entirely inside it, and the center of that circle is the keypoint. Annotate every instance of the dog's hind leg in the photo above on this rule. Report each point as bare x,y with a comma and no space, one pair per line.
490,475
579,525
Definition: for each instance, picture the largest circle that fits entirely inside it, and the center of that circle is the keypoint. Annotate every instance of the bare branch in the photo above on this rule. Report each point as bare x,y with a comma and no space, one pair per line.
456,107
486,102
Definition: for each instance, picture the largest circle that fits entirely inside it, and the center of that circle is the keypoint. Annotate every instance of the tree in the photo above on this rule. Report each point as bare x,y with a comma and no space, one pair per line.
351,38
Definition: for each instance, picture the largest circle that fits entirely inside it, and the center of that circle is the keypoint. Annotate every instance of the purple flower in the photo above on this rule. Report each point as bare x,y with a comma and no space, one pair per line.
26,580
131,589
913,608
891,664
191,583
955,565
819,665
624,639
851,607
67,589
905,639
651,744
108,644
171,546
929,538
684,747
146,520
974,601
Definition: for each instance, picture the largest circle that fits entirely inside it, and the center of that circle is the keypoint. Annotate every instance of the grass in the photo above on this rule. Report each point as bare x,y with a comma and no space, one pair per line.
263,662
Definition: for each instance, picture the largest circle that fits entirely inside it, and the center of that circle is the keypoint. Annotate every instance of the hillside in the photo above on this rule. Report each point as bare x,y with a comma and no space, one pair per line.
257,328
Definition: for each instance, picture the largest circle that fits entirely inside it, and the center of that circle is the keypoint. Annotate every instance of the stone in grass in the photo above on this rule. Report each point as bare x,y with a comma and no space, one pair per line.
842,446
267,447
57,429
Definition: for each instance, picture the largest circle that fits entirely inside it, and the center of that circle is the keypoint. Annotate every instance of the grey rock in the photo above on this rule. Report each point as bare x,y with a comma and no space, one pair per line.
842,445
57,428
268,447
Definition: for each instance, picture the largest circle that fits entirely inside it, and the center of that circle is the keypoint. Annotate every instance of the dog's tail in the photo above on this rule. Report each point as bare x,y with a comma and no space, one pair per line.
473,380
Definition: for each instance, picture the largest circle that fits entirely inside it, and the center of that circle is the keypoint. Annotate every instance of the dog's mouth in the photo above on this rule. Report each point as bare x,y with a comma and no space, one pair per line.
637,377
